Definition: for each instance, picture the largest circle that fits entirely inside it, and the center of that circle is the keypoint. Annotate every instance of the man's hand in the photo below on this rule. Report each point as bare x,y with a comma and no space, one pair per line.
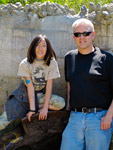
106,122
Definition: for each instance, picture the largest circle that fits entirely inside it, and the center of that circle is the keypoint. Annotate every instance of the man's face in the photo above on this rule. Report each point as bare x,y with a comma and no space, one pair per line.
84,43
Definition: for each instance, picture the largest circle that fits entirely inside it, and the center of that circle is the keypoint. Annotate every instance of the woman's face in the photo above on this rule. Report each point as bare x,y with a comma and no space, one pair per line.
41,49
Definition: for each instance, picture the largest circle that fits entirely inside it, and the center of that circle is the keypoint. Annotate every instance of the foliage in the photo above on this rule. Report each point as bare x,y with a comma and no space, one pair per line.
75,4
23,2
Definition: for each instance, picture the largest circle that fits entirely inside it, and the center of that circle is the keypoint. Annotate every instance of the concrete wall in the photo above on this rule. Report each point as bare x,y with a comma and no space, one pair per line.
19,26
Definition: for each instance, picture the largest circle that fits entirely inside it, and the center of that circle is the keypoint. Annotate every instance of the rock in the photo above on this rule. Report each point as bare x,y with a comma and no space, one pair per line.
18,4
4,12
42,11
37,4
71,11
46,134
33,9
110,7
54,124
83,10
42,14
92,7
62,8
105,15
13,6
91,16
1,6
66,7
105,7
17,12
98,7
42,7
98,16
51,7
59,12
10,126
9,137
26,8
111,14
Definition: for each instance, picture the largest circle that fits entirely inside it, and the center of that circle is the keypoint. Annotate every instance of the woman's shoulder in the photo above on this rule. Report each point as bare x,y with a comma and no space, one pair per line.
24,62
53,61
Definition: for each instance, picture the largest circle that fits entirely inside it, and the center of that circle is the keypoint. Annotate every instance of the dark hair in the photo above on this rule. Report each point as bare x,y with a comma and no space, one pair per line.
31,55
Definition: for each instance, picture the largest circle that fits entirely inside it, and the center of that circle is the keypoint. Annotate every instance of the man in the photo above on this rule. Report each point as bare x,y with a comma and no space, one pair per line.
89,76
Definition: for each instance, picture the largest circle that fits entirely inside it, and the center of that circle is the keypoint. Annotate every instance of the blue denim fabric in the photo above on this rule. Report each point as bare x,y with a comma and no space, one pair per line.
83,132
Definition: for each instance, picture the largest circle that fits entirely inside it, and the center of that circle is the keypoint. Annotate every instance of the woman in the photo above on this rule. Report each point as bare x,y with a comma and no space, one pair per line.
37,71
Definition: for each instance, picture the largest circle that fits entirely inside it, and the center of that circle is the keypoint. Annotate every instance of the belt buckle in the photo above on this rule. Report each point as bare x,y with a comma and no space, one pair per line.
75,110
84,110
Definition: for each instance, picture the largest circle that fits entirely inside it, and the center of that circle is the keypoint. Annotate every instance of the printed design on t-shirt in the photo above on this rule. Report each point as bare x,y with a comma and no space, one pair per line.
39,78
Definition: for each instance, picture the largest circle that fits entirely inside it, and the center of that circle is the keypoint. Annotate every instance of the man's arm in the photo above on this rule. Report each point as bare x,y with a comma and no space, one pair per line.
107,119
68,96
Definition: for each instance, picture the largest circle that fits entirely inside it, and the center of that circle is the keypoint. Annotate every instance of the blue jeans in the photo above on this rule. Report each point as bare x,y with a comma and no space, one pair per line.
83,132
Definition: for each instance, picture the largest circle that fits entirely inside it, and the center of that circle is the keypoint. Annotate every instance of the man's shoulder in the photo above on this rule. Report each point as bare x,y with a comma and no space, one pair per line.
72,52
105,55
104,52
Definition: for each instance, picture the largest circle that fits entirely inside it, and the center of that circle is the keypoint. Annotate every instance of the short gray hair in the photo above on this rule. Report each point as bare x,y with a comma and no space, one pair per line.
83,21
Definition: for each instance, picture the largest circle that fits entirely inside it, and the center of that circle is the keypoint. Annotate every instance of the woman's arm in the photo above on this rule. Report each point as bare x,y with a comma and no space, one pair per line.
31,96
68,96
43,112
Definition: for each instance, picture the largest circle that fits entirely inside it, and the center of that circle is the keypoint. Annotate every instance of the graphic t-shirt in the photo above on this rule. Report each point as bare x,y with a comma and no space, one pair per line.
39,72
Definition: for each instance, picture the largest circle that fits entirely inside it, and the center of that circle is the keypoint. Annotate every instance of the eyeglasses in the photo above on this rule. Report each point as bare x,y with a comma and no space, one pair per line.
78,34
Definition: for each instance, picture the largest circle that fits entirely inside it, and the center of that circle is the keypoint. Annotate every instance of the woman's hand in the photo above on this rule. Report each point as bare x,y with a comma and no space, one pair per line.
43,113
29,114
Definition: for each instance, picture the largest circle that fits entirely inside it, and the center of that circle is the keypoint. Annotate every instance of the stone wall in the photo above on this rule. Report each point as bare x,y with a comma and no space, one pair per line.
19,25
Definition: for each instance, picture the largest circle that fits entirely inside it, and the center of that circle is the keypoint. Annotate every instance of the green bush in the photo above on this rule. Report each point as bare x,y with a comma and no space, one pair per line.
75,4
23,2
32,1
4,1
